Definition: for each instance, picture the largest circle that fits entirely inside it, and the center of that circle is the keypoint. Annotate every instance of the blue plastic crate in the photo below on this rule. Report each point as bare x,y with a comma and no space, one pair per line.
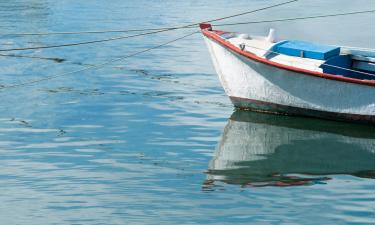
307,50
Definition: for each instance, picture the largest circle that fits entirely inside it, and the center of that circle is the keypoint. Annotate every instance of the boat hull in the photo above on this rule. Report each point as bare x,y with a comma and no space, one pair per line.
258,86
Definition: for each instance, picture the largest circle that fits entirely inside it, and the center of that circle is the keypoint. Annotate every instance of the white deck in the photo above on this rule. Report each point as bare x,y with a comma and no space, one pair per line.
263,48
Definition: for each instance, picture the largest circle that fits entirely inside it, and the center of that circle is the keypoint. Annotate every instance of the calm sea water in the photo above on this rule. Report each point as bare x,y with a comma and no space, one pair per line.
153,139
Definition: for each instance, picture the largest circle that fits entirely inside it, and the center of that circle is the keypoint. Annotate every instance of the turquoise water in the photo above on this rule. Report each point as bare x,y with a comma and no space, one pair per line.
154,139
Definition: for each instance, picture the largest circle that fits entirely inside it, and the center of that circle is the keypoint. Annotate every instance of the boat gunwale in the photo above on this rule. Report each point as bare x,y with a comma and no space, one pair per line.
214,35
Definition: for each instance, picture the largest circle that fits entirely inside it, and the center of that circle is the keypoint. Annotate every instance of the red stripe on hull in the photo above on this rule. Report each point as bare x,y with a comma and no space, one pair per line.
261,106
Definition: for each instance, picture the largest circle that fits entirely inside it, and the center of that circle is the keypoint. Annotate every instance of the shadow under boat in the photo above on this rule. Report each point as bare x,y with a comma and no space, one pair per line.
258,149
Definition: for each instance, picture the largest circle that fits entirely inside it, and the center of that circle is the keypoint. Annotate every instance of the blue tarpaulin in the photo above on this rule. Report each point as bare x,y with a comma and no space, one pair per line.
307,49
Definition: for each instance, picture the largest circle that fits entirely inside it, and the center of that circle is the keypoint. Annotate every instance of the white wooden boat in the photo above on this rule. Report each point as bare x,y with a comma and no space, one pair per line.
294,77
260,149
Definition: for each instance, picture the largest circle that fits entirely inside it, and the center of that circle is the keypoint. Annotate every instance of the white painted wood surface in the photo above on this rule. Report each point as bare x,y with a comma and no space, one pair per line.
244,78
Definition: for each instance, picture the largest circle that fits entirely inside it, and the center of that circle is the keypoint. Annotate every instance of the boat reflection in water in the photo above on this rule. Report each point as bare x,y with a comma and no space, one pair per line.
259,149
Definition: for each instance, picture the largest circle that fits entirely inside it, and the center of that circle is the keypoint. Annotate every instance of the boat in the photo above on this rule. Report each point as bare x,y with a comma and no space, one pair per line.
293,77
259,149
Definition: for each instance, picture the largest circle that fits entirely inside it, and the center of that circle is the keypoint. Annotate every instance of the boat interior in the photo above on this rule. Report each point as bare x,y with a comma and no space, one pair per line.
341,61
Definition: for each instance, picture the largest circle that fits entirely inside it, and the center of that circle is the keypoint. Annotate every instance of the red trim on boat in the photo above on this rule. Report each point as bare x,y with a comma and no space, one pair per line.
205,26
215,36
262,106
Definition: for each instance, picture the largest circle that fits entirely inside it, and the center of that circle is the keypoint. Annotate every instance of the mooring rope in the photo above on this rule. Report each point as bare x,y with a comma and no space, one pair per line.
159,30
147,33
85,32
187,26
248,12
297,18
83,43
147,29
97,66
